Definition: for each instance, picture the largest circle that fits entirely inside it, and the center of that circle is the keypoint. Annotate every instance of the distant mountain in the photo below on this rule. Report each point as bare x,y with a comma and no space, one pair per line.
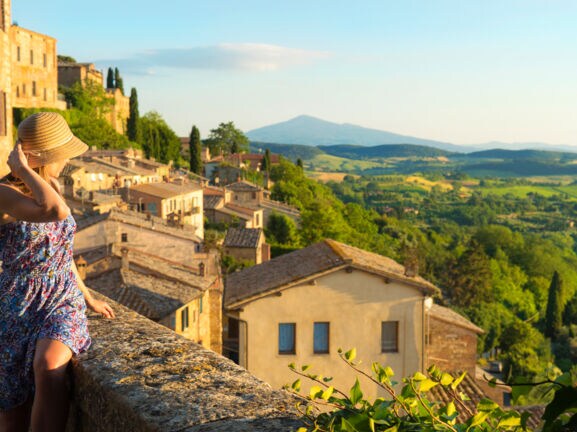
384,151
523,146
290,151
524,155
315,132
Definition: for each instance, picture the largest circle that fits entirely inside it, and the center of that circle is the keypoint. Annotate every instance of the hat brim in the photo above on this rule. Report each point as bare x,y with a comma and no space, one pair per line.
71,149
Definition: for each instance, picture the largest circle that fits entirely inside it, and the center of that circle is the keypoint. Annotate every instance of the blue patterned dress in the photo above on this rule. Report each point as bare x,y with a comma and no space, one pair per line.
39,299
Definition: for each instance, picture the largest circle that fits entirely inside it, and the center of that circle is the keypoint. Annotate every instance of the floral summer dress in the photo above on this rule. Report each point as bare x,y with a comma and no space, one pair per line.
39,299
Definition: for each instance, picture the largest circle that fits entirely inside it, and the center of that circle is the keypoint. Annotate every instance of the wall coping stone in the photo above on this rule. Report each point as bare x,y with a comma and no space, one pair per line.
141,376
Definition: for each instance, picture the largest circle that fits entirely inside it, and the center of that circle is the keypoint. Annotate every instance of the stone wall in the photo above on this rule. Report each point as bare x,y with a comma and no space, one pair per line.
451,347
140,376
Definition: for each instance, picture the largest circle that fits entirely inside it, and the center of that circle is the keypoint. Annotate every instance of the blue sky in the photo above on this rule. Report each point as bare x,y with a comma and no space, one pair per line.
461,71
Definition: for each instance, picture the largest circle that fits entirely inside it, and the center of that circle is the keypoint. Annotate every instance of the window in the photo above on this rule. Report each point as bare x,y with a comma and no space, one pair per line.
23,89
321,338
45,94
17,91
124,237
33,88
390,336
200,305
286,338
184,319
31,57
44,59
18,53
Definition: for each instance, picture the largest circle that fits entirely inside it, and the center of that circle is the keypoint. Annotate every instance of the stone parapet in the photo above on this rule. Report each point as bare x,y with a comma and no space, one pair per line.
140,376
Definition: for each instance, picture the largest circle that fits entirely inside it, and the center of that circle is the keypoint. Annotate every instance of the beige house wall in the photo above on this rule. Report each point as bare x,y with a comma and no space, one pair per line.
34,70
5,86
146,240
190,204
204,323
354,304
250,254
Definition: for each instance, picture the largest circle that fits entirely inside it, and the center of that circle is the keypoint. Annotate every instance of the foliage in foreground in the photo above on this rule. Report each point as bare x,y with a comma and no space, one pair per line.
413,409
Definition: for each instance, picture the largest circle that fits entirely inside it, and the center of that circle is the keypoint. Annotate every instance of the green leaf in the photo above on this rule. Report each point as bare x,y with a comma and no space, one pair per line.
302,429
346,426
486,405
458,380
510,419
418,376
565,399
327,393
451,409
305,367
351,354
356,394
327,379
427,385
389,372
291,366
315,392
446,379
477,419
296,386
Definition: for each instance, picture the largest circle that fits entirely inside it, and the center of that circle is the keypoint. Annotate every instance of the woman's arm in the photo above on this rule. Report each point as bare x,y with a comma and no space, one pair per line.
45,204
97,306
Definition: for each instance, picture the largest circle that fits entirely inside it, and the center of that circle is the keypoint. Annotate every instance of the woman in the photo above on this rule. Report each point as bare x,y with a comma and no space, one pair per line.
42,307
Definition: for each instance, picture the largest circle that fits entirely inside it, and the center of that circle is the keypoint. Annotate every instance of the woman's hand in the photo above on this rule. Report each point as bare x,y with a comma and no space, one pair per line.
17,161
100,307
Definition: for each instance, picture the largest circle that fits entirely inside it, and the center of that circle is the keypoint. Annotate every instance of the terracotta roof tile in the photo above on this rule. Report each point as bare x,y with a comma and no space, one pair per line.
243,186
243,237
450,316
166,190
307,262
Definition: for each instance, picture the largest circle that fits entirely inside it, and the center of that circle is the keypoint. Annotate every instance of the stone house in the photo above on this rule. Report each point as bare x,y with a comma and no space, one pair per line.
451,332
218,210
186,299
34,70
5,85
179,204
247,244
71,73
138,231
303,306
91,172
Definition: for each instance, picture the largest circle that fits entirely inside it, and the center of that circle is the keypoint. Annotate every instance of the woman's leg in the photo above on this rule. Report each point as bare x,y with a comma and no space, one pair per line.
17,419
51,400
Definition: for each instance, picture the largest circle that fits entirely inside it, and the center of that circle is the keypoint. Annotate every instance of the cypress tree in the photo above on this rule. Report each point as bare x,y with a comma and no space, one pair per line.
300,163
110,78
119,84
195,151
554,313
132,129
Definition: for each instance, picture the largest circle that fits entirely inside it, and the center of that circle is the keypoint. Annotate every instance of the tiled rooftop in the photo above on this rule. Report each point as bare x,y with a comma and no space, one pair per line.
304,263
243,186
243,237
166,190
448,315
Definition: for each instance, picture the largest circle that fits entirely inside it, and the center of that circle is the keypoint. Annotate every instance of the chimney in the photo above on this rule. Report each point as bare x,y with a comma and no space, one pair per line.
81,266
125,262
201,270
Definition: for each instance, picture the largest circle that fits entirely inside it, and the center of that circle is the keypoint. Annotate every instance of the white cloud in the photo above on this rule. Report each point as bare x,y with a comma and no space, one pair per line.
233,56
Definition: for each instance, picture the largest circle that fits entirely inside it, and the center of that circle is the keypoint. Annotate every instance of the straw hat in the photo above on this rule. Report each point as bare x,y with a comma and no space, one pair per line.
46,138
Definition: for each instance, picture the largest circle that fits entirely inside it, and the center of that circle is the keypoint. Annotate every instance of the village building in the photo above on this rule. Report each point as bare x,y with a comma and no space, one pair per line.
180,204
95,172
246,244
146,233
5,85
83,73
186,299
34,70
303,306
219,210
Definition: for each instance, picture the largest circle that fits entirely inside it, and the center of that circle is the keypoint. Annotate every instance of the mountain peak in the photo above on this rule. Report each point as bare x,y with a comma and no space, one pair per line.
309,130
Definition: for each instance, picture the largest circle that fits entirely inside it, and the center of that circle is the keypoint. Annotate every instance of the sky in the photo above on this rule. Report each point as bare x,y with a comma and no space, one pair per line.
459,71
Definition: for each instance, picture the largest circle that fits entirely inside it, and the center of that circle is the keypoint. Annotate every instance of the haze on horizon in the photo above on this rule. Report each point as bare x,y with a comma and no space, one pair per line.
453,71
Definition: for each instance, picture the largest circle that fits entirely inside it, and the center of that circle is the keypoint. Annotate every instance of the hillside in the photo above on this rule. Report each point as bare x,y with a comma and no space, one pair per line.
315,132
384,151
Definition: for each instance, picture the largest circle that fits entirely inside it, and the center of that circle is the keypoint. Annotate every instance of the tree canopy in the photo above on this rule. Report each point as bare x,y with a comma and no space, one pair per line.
227,139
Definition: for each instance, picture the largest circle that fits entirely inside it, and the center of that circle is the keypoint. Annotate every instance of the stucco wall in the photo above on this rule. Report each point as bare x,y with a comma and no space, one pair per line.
355,304
34,65
139,376
5,86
